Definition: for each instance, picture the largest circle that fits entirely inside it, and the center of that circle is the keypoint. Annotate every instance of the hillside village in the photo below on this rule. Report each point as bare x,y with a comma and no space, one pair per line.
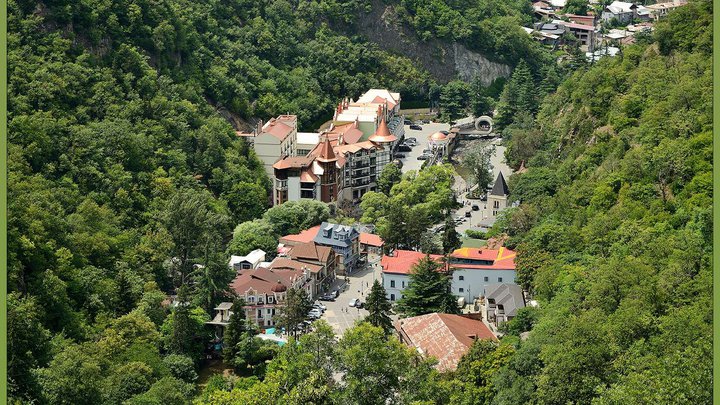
349,202
342,162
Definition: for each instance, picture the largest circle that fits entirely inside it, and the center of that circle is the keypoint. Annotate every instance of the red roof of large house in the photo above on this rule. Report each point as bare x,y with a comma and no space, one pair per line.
443,336
371,239
280,127
402,261
303,237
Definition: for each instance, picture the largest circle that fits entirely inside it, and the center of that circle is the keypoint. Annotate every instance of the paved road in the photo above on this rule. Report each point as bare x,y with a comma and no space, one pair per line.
339,314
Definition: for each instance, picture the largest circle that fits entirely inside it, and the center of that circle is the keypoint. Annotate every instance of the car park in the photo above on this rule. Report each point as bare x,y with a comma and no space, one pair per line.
416,127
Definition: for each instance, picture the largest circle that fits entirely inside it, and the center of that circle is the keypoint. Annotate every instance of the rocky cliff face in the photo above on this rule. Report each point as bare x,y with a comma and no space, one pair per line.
444,60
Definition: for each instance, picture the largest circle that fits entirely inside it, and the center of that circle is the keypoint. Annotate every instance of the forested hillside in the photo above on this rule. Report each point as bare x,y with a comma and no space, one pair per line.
120,159
614,232
125,181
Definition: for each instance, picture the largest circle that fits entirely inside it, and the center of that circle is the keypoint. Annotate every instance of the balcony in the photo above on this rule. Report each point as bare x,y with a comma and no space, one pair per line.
281,185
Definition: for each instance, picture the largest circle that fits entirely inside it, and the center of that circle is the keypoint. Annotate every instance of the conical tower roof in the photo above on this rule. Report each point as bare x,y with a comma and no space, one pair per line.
326,153
500,188
382,134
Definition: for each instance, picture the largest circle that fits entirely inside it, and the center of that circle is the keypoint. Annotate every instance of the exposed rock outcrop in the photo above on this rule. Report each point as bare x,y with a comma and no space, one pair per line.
444,60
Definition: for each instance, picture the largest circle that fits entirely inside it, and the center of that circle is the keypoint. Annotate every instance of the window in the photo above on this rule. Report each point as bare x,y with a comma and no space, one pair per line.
392,283
499,279
403,284
461,278
269,311
259,314
485,279
392,297
461,289
496,204
270,300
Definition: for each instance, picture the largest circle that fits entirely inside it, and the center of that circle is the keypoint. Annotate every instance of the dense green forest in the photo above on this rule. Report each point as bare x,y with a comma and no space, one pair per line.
614,232
120,159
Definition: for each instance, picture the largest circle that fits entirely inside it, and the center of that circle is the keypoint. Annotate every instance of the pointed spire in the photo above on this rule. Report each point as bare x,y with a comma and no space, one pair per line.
325,152
500,188
382,134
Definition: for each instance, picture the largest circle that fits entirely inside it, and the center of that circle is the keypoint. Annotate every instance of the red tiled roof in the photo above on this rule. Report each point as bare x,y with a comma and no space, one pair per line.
294,161
302,237
324,151
371,239
443,336
402,261
308,177
278,128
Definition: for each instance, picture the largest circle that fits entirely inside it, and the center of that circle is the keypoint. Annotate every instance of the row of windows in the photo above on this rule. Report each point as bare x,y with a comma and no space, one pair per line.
461,278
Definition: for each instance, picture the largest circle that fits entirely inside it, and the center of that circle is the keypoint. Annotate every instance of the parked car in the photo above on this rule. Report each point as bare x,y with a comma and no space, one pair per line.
475,207
425,121
319,306
360,304
314,314
416,127
404,148
399,156
327,297
468,214
408,122
410,143
423,157
411,139
483,197
354,302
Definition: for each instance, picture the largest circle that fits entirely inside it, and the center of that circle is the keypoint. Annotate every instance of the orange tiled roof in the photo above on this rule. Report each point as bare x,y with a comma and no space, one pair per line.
310,250
503,258
290,264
